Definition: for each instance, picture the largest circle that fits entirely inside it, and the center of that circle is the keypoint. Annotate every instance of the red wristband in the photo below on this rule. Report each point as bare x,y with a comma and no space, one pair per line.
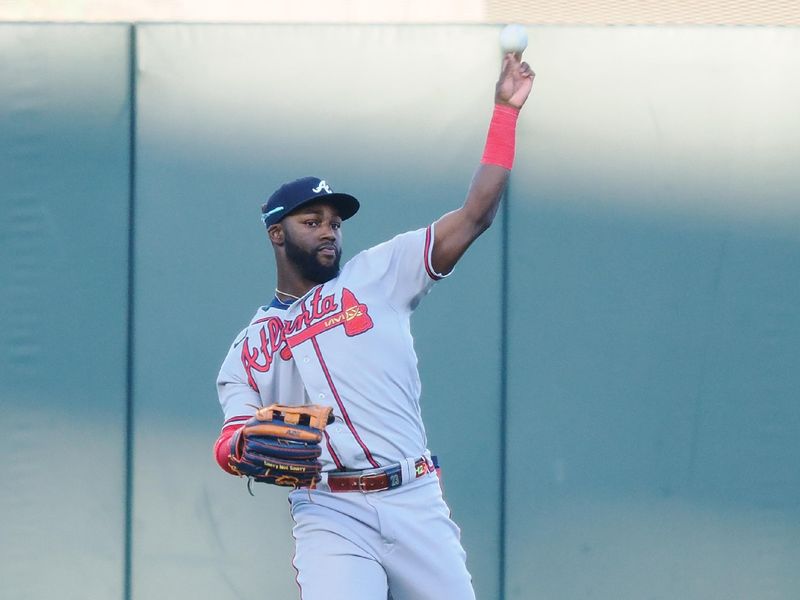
222,447
500,140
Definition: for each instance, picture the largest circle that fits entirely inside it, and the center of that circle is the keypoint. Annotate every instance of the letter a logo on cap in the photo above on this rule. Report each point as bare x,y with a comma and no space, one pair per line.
322,186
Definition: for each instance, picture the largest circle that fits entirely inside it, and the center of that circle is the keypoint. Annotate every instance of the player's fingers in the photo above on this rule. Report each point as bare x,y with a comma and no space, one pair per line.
526,71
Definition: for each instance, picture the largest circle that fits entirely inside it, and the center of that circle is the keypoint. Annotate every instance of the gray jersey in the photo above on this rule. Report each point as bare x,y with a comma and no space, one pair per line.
345,344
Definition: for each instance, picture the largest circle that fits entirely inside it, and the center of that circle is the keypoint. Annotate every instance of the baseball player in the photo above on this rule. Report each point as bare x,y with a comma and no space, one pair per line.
321,392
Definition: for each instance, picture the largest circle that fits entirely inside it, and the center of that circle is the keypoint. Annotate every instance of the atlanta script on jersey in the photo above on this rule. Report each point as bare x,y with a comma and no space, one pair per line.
345,344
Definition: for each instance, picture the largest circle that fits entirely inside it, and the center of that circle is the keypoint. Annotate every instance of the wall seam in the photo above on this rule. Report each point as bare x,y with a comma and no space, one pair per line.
129,414
504,274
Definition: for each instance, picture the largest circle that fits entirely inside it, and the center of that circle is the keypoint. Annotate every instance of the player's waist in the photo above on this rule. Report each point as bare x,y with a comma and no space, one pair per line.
382,478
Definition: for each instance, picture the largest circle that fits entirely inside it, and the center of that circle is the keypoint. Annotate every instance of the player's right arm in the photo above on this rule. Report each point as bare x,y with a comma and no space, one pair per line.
239,402
456,230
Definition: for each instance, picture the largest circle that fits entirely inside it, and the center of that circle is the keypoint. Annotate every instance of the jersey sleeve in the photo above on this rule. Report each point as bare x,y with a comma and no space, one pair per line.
239,401
405,266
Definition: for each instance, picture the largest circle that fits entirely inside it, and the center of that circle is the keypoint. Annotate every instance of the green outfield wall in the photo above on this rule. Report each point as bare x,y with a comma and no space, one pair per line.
64,218
611,376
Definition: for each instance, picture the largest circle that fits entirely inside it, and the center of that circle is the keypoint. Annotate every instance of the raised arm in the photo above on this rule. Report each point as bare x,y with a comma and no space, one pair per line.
456,230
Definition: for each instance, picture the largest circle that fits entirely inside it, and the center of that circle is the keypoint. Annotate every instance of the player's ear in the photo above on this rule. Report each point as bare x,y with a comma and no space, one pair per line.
275,233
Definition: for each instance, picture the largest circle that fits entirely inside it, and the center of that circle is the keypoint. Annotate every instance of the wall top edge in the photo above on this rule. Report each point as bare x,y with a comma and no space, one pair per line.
693,24
411,12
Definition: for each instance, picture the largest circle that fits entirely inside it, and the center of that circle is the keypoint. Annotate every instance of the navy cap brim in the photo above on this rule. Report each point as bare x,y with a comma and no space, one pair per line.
345,204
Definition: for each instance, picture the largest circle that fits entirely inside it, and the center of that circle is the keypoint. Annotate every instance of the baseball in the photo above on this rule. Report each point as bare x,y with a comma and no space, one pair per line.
513,38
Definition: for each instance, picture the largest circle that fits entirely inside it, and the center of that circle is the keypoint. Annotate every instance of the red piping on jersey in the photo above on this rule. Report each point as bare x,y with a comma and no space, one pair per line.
426,259
341,405
330,450
236,420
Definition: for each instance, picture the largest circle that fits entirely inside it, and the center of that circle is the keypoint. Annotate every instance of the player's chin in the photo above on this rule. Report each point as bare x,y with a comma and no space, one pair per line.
325,269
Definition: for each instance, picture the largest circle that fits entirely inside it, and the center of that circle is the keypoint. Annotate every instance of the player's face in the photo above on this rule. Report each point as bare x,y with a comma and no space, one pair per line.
313,241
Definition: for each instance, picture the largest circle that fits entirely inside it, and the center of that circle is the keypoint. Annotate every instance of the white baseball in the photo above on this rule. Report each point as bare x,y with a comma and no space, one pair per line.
513,38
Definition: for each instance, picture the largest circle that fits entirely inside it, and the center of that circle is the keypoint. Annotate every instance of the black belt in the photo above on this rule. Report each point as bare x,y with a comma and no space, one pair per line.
378,480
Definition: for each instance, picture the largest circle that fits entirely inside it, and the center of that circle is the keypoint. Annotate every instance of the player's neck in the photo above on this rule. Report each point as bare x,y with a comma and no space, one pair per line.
291,285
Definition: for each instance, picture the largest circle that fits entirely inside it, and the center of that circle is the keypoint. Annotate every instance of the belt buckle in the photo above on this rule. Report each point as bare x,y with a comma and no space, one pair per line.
361,487
393,479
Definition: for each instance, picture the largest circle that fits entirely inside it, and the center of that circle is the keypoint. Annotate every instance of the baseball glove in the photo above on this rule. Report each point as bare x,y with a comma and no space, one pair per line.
280,445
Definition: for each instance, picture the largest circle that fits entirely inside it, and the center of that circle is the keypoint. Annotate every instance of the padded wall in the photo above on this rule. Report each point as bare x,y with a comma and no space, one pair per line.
63,309
394,115
654,325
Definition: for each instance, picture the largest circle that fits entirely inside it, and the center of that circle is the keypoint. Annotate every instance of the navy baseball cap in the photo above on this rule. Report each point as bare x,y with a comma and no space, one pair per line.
302,191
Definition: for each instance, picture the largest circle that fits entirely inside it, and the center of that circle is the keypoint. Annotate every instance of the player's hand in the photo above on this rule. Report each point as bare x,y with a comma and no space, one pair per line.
515,82
280,445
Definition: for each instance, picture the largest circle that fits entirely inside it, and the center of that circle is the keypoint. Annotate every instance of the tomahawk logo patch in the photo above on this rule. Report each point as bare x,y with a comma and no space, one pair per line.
353,317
